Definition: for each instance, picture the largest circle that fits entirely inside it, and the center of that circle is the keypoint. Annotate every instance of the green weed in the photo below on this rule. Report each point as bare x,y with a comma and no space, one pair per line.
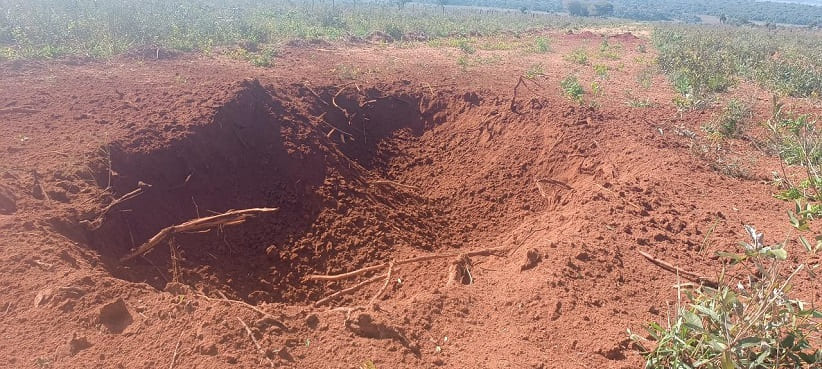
572,88
578,56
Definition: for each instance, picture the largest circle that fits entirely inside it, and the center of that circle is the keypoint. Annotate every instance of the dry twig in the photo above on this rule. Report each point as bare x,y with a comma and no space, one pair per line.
673,269
233,217
95,224
384,285
500,251
349,289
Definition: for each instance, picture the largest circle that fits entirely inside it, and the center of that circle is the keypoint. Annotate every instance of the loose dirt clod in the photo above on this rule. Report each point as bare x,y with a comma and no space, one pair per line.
532,258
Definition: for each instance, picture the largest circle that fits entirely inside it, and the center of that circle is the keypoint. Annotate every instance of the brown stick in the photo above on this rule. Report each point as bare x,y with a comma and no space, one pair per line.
334,101
555,182
384,285
95,224
315,94
349,290
256,344
673,269
419,259
176,351
246,305
228,218
385,181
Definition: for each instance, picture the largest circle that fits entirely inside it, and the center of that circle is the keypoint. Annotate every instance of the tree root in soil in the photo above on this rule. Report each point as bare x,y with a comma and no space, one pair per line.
232,217
497,251
684,273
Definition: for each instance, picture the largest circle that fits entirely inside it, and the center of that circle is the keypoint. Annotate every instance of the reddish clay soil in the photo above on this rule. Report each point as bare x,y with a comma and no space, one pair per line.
372,154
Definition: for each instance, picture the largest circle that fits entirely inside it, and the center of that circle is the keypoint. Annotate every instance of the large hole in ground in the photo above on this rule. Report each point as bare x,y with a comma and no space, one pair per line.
271,149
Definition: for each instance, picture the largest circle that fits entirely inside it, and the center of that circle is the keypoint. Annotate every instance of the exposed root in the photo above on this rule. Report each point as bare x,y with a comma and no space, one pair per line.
384,285
246,305
498,251
350,289
397,184
95,224
233,217
673,269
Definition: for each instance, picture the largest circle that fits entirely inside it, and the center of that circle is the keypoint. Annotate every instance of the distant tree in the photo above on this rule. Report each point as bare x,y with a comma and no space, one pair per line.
577,8
603,9
401,3
723,18
523,9
442,3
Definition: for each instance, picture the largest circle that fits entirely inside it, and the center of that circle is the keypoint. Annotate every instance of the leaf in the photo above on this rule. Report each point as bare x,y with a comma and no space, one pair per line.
727,362
805,243
749,342
712,314
717,346
780,254
692,320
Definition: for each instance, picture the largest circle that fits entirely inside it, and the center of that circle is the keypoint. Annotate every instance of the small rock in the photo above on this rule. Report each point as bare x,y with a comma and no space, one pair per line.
312,320
77,344
42,297
532,258
438,362
115,316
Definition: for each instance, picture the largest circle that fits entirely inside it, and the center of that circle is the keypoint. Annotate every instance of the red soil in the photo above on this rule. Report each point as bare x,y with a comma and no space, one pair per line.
438,163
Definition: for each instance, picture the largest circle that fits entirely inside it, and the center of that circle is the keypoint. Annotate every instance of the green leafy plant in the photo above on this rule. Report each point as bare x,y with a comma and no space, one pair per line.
730,122
752,322
572,88
541,45
466,46
578,56
535,71
601,71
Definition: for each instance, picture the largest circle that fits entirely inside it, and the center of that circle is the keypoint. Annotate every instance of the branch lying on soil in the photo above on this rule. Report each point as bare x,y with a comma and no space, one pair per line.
246,305
499,251
351,289
93,225
673,269
385,181
229,218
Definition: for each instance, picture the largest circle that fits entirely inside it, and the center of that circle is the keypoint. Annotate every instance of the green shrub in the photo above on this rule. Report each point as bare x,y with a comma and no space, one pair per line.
752,322
730,123
578,56
572,88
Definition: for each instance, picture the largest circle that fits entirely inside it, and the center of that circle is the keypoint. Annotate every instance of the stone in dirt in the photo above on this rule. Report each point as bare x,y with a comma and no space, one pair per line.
115,316
532,258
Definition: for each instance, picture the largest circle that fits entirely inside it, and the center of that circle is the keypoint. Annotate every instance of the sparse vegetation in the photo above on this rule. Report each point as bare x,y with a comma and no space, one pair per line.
750,322
578,56
541,45
572,88
534,71
705,60
101,29
730,122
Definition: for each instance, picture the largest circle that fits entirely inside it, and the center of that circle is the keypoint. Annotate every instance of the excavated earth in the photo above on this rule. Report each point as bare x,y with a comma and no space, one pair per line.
370,154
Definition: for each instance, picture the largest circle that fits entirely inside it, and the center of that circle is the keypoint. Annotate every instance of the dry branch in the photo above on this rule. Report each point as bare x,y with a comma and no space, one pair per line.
93,225
385,181
500,251
349,289
246,305
229,218
384,285
684,273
